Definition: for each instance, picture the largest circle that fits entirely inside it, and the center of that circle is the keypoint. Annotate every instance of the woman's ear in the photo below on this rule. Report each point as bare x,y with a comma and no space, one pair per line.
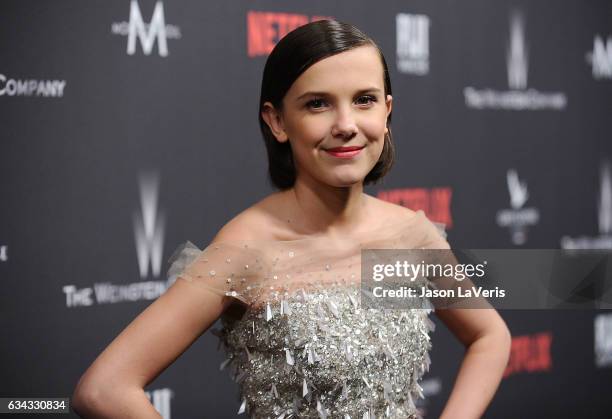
275,121
389,104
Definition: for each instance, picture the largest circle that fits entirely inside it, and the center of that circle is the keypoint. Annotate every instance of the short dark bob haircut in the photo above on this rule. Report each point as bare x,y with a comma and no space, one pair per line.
291,56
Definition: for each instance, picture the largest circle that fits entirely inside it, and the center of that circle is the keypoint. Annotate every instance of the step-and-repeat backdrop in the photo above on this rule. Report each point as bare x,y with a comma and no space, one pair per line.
128,127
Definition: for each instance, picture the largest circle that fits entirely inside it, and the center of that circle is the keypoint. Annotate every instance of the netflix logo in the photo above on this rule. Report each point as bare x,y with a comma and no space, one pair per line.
530,353
265,29
435,202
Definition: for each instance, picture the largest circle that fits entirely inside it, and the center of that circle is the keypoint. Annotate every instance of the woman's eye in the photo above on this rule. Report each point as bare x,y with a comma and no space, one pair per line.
368,99
314,103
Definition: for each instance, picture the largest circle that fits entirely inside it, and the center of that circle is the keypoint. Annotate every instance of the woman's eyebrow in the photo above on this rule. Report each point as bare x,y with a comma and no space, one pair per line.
312,93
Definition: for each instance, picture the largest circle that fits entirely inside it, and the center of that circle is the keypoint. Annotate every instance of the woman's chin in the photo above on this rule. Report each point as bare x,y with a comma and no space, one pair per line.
347,180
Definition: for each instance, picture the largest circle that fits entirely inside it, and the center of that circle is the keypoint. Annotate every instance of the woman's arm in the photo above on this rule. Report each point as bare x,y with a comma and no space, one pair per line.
487,341
113,385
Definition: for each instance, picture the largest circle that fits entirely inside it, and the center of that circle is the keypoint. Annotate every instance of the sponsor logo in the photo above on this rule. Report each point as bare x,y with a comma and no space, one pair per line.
31,87
160,399
265,29
3,253
430,387
412,38
604,240
601,58
529,354
435,202
147,33
149,227
517,218
603,340
519,97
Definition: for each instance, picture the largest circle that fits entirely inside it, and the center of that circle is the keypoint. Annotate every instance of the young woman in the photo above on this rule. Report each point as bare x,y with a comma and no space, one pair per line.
283,275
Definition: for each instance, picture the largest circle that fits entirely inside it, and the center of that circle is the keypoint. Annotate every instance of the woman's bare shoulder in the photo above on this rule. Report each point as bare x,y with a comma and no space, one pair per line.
390,211
256,222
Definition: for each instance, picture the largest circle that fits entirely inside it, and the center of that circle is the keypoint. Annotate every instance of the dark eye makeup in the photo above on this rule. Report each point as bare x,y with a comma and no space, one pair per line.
311,103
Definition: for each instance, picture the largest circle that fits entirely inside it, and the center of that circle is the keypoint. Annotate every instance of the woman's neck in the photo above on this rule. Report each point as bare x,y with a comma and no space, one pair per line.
327,210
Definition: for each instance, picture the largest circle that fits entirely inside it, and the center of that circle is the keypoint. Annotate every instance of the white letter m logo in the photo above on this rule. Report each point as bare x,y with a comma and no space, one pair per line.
157,28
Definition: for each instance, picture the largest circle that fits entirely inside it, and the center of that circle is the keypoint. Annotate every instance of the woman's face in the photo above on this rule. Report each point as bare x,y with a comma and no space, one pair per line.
338,102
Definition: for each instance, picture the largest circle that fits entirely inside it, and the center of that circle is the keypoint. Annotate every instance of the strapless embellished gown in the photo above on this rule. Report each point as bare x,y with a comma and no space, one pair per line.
298,342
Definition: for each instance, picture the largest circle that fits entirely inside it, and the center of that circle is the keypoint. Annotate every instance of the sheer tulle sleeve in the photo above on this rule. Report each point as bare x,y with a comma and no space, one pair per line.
228,269
434,236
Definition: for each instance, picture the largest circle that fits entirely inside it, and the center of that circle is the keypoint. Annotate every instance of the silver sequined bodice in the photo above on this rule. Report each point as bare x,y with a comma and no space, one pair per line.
317,354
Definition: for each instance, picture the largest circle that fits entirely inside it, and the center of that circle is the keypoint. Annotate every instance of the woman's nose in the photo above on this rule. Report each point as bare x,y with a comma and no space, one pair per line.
344,124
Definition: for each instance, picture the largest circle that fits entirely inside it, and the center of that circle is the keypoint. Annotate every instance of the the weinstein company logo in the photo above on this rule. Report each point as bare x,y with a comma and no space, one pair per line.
161,399
31,87
147,33
519,97
604,240
412,37
517,218
149,227
603,340
601,58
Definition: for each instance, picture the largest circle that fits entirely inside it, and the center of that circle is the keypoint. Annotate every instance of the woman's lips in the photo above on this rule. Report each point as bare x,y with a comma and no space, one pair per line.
344,152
